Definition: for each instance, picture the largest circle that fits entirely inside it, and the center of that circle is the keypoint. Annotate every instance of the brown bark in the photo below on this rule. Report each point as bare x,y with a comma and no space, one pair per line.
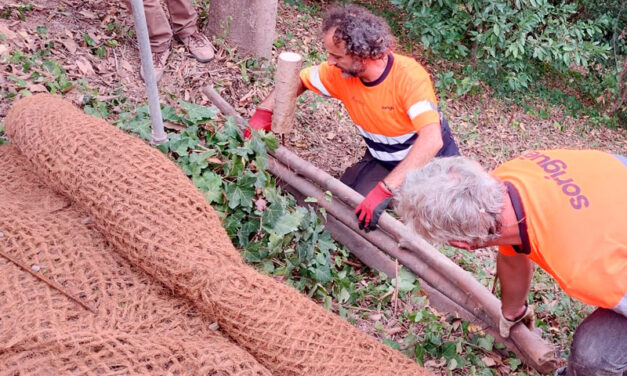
285,90
249,24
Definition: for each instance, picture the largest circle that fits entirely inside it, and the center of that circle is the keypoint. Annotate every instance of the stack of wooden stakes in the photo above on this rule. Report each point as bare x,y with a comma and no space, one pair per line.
450,288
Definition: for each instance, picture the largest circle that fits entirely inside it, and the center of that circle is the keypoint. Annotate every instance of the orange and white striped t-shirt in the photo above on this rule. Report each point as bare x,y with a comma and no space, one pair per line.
389,111
572,212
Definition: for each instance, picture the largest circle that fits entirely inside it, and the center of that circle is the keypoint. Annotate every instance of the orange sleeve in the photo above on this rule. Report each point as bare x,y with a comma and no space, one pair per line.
419,98
321,79
507,250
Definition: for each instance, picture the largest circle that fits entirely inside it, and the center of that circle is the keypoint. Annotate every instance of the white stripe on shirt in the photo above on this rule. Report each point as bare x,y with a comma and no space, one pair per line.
389,157
314,78
381,139
420,108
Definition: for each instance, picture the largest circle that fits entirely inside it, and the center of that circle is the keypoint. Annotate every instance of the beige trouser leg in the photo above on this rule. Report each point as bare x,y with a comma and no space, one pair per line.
183,17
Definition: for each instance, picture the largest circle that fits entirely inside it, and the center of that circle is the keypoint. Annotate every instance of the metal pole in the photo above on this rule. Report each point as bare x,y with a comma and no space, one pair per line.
158,134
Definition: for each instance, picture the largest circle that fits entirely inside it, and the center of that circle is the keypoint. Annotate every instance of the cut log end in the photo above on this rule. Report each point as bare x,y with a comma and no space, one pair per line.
290,57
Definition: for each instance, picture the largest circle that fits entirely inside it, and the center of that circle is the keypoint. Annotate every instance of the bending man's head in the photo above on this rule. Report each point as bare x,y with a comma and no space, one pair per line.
452,199
365,36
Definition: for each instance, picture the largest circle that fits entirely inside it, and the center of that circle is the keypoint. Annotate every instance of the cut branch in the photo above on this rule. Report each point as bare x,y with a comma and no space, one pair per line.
285,89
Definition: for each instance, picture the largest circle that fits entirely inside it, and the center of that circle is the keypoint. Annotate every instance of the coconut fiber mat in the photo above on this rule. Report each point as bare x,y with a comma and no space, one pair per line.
113,264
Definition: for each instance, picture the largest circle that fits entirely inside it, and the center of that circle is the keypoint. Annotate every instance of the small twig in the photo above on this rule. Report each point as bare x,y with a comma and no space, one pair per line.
351,263
395,296
48,281
496,280
115,59
362,309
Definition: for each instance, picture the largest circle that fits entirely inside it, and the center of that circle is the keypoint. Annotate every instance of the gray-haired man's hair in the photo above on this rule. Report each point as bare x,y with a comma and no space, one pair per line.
452,199
366,36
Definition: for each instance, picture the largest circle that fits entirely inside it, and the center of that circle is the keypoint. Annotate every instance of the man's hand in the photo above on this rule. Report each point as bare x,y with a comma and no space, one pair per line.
505,325
370,209
261,119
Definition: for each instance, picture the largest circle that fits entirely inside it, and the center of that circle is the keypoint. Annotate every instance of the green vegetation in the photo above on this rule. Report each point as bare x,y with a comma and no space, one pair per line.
288,241
519,45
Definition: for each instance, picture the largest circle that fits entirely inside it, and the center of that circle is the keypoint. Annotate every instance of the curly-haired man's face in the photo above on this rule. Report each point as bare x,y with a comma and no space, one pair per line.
337,56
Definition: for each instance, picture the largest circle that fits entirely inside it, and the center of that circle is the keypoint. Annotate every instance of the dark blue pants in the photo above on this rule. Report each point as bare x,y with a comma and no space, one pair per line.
365,174
599,346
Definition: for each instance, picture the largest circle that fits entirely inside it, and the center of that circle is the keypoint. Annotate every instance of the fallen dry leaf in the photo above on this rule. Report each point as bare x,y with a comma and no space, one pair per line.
37,88
88,14
261,204
70,45
215,160
85,67
4,50
488,361
170,125
7,32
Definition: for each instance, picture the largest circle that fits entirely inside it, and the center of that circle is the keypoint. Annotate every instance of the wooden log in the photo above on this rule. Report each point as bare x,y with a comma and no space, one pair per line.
537,352
285,89
371,255
541,355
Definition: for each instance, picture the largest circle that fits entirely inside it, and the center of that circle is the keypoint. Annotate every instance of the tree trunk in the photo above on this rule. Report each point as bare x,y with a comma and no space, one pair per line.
248,24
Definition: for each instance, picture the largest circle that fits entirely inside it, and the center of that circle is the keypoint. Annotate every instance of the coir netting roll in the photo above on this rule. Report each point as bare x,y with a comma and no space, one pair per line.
151,213
140,327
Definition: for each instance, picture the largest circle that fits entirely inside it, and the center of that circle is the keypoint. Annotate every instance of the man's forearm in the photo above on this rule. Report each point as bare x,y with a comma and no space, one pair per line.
268,102
515,274
427,145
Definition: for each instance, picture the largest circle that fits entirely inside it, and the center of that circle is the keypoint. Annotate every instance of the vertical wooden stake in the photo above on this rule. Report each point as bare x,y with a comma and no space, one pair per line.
285,87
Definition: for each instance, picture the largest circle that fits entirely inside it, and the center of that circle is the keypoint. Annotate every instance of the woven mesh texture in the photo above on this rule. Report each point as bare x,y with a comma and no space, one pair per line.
153,258
140,326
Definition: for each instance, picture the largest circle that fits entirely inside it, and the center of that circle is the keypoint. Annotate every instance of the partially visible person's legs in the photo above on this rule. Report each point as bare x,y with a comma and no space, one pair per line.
449,147
183,17
599,346
365,174
159,30
160,36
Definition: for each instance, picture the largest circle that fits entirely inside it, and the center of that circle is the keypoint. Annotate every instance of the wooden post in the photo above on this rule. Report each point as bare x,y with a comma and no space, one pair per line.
285,88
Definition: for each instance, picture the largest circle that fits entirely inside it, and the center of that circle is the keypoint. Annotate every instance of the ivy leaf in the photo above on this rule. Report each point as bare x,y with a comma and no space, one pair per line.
271,216
406,280
231,129
169,114
393,344
247,228
197,113
449,350
271,142
210,184
287,223
240,194
326,243
486,342
514,363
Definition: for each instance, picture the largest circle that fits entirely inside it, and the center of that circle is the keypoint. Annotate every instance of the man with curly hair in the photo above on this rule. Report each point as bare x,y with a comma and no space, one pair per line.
389,97
565,210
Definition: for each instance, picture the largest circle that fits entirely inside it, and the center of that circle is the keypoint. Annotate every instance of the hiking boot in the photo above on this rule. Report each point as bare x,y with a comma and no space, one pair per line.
199,47
159,60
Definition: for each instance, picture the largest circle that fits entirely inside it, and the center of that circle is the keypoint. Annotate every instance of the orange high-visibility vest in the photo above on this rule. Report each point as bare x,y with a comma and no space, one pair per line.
573,220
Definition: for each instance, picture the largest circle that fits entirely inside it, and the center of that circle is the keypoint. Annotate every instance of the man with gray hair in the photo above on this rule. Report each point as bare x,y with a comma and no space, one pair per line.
389,97
565,210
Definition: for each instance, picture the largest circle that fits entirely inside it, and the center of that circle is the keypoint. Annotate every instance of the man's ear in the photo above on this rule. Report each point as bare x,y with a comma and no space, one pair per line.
460,244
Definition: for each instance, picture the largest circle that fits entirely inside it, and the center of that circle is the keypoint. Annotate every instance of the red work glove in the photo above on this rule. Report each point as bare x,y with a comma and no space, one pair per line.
261,119
370,209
